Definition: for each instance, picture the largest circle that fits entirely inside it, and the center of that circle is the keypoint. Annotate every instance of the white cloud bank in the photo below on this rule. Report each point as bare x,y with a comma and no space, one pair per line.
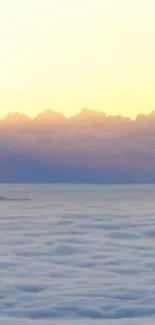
77,257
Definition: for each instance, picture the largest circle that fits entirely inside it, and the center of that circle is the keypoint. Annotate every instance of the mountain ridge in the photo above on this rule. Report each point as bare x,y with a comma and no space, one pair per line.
83,113
91,148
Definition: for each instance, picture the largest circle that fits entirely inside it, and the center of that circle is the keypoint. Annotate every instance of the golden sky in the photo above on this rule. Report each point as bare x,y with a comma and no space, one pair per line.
70,54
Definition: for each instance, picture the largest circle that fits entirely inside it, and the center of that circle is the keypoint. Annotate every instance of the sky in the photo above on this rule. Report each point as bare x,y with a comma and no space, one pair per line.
68,55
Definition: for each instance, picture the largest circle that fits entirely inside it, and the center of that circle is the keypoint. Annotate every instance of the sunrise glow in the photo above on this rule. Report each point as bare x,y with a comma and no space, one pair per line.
66,55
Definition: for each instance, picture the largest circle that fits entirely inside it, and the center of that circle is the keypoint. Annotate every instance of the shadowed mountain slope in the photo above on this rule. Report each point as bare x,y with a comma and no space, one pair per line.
90,147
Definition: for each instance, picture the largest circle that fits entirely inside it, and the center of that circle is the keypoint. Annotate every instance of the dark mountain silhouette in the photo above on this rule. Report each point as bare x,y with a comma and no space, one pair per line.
89,147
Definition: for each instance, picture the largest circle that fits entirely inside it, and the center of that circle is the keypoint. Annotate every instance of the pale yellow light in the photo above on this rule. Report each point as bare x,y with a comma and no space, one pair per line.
71,54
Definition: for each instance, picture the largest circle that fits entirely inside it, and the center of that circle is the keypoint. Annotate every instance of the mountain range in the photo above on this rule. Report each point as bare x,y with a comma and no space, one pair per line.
90,147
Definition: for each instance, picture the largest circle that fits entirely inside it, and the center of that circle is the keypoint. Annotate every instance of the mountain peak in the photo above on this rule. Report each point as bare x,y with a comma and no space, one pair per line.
87,114
152,114
90,112
50,115
16,117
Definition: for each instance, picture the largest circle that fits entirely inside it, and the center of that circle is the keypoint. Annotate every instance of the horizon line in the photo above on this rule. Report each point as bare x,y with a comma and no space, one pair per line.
106,115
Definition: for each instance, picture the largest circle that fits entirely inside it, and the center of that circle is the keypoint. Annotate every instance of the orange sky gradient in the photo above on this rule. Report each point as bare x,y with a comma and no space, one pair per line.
68,55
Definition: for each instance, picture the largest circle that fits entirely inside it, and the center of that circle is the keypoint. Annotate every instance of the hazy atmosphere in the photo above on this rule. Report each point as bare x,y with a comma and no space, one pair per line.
77,162
67,55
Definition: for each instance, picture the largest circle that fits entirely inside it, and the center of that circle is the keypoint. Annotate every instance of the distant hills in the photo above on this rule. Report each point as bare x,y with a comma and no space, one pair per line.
89,147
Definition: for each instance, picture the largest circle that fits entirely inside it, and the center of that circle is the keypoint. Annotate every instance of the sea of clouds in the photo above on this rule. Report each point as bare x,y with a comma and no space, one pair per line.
77,255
